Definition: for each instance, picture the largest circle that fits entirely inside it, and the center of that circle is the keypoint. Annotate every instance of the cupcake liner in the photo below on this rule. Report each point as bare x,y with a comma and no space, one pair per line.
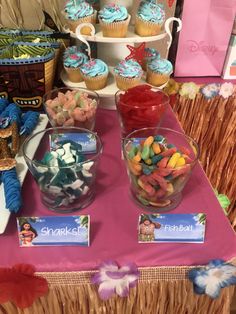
74,74
155,78
115,29
87,19
95,83
124,83
146,28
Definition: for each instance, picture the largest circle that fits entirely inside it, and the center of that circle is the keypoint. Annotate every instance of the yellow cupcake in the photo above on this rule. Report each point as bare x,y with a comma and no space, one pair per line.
95,74
149,19
114,20
159,71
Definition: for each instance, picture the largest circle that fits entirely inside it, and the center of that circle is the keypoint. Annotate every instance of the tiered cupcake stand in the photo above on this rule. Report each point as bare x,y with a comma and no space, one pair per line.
131,39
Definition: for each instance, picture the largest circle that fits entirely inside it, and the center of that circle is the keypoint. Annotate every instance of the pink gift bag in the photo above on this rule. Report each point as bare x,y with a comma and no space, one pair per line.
204,38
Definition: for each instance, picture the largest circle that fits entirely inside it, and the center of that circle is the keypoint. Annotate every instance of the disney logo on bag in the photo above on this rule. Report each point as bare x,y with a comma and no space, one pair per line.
201,46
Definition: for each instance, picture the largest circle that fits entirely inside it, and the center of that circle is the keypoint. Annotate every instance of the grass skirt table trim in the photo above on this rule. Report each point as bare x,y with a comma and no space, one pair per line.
160,290
212,123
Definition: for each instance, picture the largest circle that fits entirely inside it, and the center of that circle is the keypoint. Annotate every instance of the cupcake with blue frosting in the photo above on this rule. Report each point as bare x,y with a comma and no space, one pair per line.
128,74
150,55
78,12
149,19
159,71
114,20
73,59
95,74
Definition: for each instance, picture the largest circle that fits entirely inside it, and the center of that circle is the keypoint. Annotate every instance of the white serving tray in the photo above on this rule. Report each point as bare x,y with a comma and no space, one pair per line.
131,37
21,169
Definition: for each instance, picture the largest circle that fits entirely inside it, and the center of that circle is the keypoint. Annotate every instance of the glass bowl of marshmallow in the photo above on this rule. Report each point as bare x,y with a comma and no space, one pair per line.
75,107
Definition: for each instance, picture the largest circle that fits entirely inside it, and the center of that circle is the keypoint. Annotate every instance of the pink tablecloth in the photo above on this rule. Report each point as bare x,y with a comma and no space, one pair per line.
114,219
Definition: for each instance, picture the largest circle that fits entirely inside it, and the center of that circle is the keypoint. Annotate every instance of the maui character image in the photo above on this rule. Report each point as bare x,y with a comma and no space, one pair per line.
147,228
27,234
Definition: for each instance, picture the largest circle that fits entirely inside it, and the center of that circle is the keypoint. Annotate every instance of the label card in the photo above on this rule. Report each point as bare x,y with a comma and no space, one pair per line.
179,228
86,140
53,230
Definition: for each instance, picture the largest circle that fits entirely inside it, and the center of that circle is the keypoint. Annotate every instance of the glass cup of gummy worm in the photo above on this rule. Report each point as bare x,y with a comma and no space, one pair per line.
159,164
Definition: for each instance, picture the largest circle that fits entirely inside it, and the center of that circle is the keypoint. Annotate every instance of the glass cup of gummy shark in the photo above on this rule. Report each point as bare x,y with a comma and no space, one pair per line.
159,164
64,166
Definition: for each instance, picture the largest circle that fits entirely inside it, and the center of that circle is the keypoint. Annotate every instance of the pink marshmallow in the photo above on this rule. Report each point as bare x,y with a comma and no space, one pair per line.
69,104
61,97
51,113
60,119
79,115
69,122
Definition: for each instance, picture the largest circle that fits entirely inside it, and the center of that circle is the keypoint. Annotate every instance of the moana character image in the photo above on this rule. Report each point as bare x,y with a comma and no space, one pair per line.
27,234
147,228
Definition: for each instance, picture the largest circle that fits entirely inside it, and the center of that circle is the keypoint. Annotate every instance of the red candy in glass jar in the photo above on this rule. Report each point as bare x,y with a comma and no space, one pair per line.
139,107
